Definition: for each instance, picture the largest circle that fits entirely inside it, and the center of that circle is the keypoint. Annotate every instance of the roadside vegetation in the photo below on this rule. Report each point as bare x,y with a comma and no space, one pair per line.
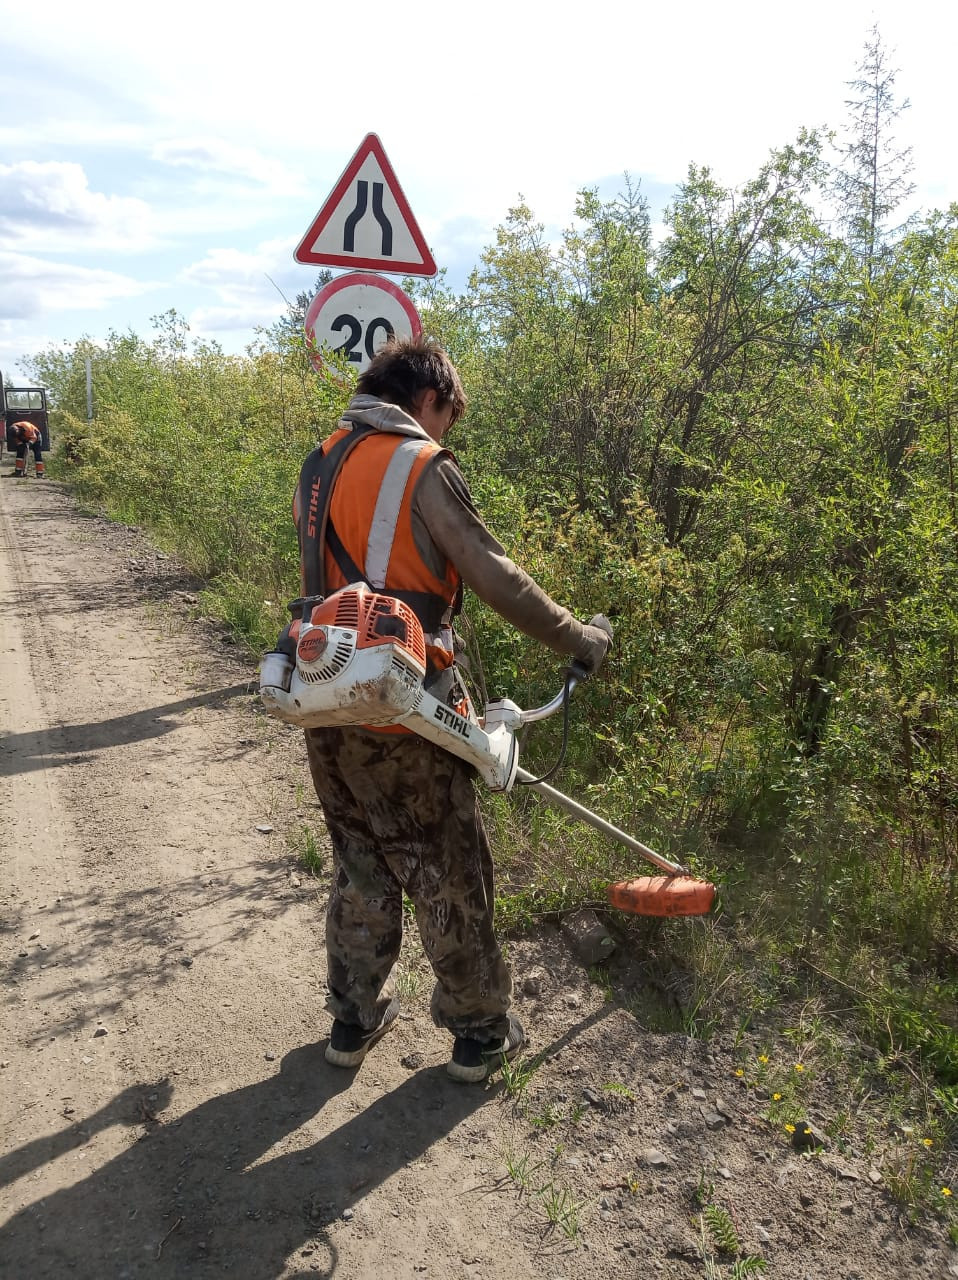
737,441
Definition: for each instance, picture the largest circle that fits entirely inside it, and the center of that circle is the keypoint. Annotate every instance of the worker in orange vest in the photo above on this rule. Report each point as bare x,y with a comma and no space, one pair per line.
26,436
401,812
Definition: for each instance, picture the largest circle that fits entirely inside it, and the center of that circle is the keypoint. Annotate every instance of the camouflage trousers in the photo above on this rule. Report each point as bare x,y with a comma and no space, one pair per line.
402,815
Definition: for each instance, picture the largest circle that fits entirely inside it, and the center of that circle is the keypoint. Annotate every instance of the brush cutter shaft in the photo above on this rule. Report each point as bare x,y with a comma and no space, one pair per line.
586,815
360,658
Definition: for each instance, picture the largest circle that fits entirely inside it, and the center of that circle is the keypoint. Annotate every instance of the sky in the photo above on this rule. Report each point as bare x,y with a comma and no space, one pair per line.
173,157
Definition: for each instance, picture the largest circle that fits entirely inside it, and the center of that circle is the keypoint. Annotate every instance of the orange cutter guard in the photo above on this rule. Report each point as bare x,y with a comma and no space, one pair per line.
675,894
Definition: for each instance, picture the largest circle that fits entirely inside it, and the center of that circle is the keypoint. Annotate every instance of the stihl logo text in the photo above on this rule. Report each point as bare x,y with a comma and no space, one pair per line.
313,507
452,721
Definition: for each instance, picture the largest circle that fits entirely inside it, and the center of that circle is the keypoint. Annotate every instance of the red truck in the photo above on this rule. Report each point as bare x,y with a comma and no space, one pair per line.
23,404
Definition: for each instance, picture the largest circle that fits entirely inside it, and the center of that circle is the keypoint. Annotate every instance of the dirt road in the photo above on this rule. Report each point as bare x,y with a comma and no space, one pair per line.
166,1108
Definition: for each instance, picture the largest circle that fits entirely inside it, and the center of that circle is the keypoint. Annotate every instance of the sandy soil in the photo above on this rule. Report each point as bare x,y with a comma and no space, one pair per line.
165,1104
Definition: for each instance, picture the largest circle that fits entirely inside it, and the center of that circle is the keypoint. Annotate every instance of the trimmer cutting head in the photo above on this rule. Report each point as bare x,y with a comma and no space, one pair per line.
662,896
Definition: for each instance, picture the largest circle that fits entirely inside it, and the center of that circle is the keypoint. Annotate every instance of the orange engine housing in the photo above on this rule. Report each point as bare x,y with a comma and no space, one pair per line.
377,619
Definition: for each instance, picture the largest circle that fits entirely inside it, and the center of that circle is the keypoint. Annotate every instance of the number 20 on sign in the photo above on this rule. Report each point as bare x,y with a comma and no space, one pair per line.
353,316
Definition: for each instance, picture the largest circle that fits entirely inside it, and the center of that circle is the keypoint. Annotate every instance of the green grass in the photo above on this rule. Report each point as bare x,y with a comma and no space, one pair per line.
562,1209
719,1239
409,984
518,1072
619,1090
519,1170
547,1118
307,850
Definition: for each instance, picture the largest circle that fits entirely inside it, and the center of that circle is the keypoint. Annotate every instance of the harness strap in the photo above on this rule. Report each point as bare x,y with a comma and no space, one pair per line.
346,564
316,480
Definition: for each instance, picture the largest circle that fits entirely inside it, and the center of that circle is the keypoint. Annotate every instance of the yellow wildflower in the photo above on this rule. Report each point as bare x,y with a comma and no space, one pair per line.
946,1191
799,1067
790,1128
763,1059
928,1142
740,1072
776,1097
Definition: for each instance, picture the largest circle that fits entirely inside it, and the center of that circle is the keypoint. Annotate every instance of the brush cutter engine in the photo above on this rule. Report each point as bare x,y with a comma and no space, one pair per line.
360,659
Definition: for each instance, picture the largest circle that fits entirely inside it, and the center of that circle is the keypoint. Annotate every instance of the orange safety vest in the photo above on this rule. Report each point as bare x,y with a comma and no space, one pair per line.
370,519
27,432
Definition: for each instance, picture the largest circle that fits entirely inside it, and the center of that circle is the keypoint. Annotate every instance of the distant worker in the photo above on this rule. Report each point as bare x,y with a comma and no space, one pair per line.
26,436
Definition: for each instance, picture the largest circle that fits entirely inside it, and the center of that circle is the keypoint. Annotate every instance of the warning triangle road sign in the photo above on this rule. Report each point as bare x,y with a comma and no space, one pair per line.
366,221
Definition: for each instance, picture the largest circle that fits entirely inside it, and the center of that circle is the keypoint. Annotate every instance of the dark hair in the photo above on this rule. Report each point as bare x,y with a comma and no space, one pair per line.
405,367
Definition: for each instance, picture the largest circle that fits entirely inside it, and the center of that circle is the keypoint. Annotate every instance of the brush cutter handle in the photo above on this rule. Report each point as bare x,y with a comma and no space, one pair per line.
575,673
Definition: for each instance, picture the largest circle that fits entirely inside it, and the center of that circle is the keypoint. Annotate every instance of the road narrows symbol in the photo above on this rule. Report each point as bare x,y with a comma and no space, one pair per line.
366,221
359,212
384,223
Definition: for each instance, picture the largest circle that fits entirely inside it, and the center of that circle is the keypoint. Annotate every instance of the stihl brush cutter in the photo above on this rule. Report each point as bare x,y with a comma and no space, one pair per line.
359,658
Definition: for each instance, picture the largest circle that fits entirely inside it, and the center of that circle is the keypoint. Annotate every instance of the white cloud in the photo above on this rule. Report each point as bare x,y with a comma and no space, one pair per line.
62,134
16,344
213,321
236,276
31,287
230,271
459,239
210,154
48,206
246,285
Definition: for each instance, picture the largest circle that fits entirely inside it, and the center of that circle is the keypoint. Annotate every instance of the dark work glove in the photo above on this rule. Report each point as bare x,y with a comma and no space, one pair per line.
596,641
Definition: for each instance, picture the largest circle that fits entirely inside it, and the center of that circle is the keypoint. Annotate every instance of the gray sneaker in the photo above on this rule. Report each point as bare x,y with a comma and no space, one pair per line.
473,1060
349,1044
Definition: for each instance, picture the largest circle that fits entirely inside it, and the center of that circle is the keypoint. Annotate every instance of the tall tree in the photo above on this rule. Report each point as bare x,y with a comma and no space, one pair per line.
874,180
869,365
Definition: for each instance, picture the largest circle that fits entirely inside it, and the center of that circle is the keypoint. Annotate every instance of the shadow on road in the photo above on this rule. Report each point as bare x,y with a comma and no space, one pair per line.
64,744
98,595
153,934
139,1101
202,1194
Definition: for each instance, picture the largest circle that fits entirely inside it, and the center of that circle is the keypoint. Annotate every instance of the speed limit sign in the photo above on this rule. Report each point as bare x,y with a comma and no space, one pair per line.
354,315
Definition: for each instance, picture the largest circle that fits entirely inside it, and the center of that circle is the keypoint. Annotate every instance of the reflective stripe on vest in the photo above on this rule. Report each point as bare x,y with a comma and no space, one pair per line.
382,531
